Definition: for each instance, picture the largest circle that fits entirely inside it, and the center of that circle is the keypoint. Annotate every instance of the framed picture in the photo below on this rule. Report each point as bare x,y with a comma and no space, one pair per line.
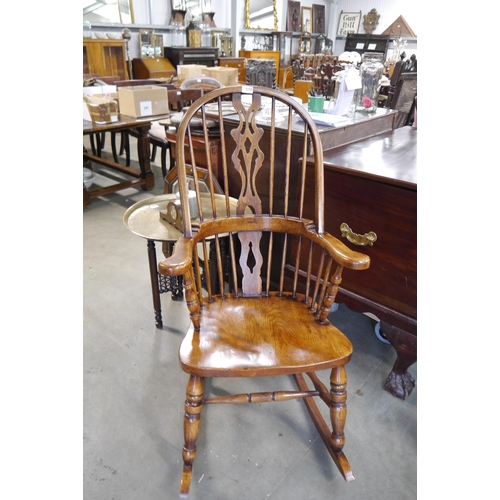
306,20
293,21
348,22
318,18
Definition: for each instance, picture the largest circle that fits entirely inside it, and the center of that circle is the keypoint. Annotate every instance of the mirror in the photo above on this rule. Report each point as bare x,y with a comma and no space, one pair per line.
108,11
261,15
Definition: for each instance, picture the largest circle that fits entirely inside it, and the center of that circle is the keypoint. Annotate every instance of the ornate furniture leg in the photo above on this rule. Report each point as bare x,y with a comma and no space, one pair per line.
399,382
144,157
192,417
338,408
153,269
170,283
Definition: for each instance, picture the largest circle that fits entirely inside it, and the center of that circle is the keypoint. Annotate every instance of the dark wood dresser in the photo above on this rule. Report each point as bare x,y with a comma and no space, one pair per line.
371,187
207,56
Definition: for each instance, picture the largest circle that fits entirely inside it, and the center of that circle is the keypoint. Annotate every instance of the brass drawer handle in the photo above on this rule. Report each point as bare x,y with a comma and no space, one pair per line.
358,239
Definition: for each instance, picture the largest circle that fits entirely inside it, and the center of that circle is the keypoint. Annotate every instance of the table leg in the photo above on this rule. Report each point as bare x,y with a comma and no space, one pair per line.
86,197
400,383
153,270
144,154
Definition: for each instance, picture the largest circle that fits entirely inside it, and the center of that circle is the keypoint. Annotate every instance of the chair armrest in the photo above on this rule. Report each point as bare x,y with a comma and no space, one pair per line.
344,255
181,259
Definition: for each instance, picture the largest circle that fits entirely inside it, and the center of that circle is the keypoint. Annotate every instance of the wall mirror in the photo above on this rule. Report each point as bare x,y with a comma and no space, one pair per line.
193,8
108,11
261,15
306,15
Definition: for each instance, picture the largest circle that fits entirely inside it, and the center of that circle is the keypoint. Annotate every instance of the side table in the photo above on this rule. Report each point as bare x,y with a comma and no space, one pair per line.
143,219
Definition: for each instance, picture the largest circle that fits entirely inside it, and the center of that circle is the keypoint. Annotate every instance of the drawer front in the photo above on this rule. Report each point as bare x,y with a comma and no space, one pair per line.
391,213
237,63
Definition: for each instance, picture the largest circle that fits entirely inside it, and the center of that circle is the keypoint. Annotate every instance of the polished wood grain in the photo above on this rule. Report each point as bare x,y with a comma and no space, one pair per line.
247,319
105,57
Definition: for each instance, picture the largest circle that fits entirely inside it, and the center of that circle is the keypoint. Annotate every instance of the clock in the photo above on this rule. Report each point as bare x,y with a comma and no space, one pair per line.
173,214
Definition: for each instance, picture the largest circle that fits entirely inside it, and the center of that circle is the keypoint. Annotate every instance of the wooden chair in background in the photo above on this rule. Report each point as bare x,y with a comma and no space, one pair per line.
261,72
267,315
177,99
403,91
206,83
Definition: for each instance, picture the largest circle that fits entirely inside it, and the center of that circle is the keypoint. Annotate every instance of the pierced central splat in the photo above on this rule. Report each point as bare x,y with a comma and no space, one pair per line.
251,258
251,262
247,156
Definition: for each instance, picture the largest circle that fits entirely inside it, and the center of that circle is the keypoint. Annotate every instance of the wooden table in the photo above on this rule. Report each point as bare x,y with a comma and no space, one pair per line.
143,178
143,219
371,185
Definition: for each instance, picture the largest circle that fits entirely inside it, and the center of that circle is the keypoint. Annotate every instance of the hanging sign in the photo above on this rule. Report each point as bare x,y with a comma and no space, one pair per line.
348,22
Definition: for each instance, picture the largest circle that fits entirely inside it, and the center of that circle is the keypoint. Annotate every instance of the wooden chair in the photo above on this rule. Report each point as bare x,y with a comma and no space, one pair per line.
206,83
267,316
177,99
403,91
261,72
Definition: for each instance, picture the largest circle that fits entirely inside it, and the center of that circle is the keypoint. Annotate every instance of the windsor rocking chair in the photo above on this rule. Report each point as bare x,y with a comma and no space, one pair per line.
268,316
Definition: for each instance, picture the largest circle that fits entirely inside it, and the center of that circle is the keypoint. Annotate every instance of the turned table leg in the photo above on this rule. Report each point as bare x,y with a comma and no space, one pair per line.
144,157
400,383
154,282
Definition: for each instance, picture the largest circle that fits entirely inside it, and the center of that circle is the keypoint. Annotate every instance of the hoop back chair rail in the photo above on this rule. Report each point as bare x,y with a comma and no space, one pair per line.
268,316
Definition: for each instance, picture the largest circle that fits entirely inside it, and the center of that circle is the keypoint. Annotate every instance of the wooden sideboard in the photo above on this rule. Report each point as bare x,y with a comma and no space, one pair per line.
371,185
105,58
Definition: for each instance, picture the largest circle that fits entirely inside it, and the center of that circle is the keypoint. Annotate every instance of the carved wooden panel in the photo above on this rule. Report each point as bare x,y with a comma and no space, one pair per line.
261,72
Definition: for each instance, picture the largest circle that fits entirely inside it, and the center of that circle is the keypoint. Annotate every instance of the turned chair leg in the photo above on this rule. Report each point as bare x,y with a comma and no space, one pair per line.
192,417
338,407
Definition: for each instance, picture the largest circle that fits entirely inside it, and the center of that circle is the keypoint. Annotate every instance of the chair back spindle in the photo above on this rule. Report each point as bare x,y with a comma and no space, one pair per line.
255,207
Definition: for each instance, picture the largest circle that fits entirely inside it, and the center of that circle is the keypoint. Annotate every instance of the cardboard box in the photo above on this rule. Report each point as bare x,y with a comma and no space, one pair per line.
143,100
227,76
101,109
185,71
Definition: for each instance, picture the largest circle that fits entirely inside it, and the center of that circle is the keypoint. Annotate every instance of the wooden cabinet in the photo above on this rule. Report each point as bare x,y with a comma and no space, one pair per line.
105,58
237,63
208,56
263,54
152,68
378,195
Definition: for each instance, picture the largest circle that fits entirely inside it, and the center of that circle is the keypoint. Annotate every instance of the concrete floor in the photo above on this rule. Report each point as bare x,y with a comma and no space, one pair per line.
134,396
